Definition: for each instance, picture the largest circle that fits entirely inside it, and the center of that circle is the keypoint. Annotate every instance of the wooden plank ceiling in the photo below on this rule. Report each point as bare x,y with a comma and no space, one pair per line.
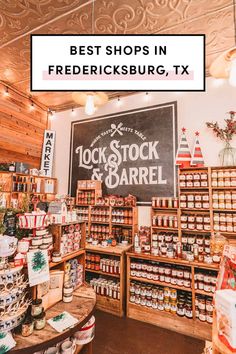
22,130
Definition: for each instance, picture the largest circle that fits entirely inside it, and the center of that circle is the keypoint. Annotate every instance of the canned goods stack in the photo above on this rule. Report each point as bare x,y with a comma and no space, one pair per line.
104,287
164,244
195,222
172,203
205,280
161,220
223,178
193,179
163,272
194,201
162,299
100,215
99,232
82,213
73,273
106,265
87,198
122,216
225,222
70,239
196,248
204,308
224,200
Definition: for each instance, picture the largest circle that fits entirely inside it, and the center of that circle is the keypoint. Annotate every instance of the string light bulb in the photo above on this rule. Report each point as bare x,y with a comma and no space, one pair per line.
50,114
147,97
32,106
73,113
6,92
119,102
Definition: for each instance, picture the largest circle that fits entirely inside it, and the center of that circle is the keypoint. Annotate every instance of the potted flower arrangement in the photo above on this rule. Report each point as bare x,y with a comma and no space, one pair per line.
228,154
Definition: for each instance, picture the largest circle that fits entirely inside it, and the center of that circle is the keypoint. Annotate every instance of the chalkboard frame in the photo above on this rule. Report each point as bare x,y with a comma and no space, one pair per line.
117,114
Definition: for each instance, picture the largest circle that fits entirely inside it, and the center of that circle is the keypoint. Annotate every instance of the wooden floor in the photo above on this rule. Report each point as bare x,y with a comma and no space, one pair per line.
125,336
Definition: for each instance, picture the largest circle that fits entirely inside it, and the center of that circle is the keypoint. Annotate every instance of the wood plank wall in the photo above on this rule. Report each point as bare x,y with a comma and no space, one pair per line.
21,130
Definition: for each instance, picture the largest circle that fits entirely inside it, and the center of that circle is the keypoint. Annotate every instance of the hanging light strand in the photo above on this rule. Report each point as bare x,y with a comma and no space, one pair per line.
8,89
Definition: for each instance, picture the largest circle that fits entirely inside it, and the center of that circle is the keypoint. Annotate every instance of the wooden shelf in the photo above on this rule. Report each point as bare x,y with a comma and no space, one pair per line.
193,188
169,321
100,222
67,258
202,292
115,251
102,273
196,210
225,188
165,228
224,210
165,209
108,304
116,307
173,260
120,224
196,231
157,282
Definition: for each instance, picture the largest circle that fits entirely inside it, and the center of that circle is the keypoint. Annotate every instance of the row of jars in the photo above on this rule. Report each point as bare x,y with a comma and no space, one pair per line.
82,217
99,218
127,213
100,229
224,200
162,299
223,178
204,308
87,198
106,287
194,201
82,210
205,280
166,273
195,222
190,179
122,220
158,202
99,236
224,222
165,221
106,265
100,211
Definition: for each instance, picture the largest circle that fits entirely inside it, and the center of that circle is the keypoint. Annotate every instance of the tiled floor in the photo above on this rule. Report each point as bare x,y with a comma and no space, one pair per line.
116,335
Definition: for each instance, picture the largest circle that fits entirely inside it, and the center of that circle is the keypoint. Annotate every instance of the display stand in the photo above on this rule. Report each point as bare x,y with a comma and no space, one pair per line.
17,186
82,308
89,214
191,327
105,303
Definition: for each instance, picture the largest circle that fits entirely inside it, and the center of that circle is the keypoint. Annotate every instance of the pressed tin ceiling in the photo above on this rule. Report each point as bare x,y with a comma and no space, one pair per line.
20,18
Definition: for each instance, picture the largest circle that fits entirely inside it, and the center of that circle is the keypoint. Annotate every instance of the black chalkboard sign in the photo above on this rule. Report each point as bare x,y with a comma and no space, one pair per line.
131,152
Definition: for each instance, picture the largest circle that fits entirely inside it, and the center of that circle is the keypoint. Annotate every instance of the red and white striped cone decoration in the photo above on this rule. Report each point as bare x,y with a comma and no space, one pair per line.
197,157
183,156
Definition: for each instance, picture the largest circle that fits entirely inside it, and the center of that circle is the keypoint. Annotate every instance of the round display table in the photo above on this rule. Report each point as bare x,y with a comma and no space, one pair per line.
82,307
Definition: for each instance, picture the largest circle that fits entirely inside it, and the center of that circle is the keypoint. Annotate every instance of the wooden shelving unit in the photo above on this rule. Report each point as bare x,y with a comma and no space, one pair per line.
105,303
17,186
191,327
57,230
90,219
